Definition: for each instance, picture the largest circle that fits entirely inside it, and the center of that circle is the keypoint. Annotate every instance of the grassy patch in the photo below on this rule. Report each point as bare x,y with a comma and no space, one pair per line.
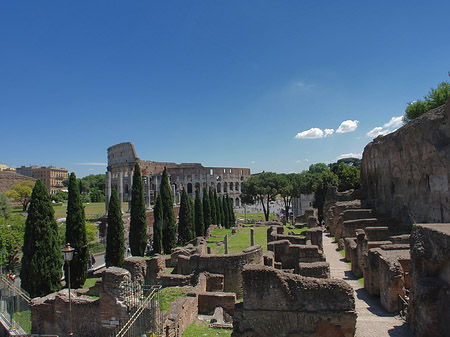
256,216
221,232
241,240
295,230
23,318
89,209
361,280
96,247
170,294
202,328
90,281
169,270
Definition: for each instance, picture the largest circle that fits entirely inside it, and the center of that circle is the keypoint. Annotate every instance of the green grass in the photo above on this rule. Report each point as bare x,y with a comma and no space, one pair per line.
241,240
90,281
23,318
361,280
170,294
295,230
202,328
96,247
89,209
256,216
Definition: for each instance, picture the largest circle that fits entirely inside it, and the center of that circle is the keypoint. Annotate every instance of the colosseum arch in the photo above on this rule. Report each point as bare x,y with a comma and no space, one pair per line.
225,187
236,186
189,188
219,188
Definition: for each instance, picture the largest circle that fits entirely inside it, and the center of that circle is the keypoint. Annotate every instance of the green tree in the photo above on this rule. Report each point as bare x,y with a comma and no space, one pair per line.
219,214
199,224
325,180
5,205
76,235
186,219
42,257
192,225
435,97
158,225
169,221
138,220
12,229
213,207
21,192
231,215
348,177
206,210
287,189
262,188
115,242
226,212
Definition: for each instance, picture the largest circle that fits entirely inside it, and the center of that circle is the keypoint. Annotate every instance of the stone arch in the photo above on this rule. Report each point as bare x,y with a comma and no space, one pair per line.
237,202
126,189
219,188
212,185
205,184
197,185
225,187
231,186
189,188
236,186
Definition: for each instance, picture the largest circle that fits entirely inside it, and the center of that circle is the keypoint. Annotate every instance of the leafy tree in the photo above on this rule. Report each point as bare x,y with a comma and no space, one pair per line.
21,192
169,221
206,210
348,177
262,188
42,258
218,209
213,207
60,196
226,211
221,211
186,219
318,168
97,196
231,216
76,235
115,242
435,97
158,225
192,225
12,230
5,205
288,189
199,224
138,220
325,180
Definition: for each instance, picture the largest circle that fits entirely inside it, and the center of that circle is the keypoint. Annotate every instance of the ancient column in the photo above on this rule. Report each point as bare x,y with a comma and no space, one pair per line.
226,244
107,190
252,237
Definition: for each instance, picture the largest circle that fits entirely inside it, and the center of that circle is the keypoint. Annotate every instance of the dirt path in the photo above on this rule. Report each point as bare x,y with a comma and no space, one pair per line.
373,320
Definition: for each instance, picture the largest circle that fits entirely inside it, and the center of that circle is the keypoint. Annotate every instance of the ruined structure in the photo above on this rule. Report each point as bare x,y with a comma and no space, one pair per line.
119,175
278,303
407,173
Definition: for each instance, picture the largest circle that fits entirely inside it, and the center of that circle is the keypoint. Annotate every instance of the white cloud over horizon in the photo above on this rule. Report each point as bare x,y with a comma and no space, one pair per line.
350,155
391,126
347,126
314,133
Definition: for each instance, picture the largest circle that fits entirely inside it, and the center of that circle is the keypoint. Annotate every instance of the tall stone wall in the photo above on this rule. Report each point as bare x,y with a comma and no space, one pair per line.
407,172
277,303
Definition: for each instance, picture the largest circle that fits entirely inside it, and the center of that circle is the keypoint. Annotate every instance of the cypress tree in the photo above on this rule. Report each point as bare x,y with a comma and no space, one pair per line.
42,257
169,222
231,209
157,225
138,220
218,212
192,224
213,207
226,213
76,235
185,222
115,242
206,210
199,225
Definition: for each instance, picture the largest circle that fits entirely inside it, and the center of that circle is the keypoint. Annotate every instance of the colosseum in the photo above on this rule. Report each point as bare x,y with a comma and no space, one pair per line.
122,158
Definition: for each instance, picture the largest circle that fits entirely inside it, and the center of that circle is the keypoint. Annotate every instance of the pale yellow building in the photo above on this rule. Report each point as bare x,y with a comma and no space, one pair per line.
50,176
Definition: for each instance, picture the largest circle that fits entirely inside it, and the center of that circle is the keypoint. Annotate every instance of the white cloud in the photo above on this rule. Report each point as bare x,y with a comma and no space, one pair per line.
252,162
92,164
298,161
347,126
306,159
314,133
388,127
350,155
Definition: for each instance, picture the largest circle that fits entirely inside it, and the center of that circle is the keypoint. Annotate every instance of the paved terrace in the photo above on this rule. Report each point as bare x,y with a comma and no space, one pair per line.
373,320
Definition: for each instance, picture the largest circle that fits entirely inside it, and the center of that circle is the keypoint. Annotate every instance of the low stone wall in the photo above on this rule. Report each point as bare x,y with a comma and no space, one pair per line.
429,309
314,269
182,313
289,255
281,304
230,266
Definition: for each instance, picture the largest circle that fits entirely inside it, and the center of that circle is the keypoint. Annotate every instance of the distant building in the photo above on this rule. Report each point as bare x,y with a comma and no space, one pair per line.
4,167
50,176
302,203
189,176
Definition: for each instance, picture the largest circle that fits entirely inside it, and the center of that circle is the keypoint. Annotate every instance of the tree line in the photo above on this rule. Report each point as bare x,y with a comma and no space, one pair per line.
266,186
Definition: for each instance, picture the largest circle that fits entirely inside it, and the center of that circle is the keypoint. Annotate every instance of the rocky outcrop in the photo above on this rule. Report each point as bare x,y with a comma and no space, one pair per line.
407,172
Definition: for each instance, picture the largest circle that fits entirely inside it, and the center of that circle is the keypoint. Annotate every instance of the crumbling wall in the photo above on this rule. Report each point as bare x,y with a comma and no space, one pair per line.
230,266
407,172
429,309
277,303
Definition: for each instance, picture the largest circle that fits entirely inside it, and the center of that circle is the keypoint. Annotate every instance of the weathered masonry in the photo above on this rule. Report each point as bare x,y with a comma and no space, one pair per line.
119,175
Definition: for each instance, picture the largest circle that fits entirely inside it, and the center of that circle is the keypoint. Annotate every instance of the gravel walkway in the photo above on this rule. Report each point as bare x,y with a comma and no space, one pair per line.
373,320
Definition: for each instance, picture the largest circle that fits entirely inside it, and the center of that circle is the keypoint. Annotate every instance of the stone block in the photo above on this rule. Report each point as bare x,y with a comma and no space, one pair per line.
314,269
208,301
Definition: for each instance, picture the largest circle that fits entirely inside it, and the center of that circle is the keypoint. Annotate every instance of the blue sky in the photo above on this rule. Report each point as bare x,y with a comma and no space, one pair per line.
225,83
